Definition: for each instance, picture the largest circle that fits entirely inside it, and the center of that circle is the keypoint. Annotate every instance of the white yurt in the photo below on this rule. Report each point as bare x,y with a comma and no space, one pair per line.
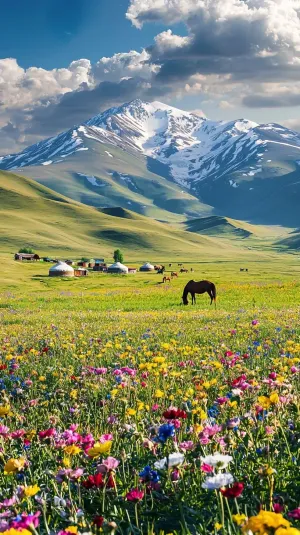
61,269
117,267
147,267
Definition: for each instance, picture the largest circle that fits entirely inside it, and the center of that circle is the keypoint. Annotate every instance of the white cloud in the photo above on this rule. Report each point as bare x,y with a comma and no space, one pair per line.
122,65
20,88
168,40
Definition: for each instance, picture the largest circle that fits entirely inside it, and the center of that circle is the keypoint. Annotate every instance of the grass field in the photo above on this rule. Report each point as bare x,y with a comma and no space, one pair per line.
125,412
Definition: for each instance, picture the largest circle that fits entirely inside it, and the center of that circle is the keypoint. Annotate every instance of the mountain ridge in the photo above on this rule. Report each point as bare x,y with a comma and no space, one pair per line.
239,169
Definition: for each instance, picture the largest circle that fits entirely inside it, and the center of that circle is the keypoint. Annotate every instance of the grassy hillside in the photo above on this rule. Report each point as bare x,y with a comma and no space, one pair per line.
53,224
292,241
218,225
105,176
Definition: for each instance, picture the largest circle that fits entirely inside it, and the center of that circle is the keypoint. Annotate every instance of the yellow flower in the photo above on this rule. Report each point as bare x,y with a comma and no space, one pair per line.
274,398
66,462
31,491
265,520
4,410
239,519
218,526
130,412
30,434
14,465
13,531
264,401
159,394
99,449
72,450
287,531
71,529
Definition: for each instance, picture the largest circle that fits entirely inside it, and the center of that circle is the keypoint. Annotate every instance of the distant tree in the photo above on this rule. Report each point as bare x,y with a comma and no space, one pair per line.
118,257
85,259
26,250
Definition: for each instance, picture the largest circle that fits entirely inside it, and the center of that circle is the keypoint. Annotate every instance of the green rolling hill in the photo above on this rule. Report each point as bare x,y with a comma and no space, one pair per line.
33,215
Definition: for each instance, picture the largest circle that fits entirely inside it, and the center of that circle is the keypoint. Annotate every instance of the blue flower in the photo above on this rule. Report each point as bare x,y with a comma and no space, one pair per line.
213,411
166,431
147,474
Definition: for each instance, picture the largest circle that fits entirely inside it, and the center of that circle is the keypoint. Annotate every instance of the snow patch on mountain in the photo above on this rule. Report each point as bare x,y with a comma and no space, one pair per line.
194,149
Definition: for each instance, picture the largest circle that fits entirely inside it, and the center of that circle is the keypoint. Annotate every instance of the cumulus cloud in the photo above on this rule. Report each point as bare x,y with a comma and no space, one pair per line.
244,52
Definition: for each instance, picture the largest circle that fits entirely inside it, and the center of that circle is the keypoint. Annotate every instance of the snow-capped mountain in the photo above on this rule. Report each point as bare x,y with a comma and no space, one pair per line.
212,160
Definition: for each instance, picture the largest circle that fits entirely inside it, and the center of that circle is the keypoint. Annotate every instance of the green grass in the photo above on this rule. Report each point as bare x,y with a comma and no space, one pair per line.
33,215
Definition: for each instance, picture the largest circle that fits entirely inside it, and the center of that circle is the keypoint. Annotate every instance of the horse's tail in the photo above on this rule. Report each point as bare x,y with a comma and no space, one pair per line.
213,292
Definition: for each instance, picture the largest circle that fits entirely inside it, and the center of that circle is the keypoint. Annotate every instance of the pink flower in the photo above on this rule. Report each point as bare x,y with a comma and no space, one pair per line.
135,495
4,431
51,432
222,401
8,502
155,407
18,434
254,322
27,521
108,464
207,468
204,441
269,430
295,513
294,369
188,445
278,508
105,438
175,475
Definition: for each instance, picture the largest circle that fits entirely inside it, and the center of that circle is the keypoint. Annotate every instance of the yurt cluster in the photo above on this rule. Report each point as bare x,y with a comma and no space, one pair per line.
66,269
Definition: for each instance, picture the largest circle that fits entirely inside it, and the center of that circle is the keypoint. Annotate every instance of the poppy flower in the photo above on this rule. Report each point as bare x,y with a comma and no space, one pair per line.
233,492
173,414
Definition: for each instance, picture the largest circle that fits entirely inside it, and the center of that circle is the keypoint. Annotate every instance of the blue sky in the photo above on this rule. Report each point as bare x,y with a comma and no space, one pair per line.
52,33
62,61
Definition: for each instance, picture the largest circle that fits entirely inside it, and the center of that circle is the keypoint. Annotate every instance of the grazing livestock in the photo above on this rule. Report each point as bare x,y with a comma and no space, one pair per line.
166,279
174,274
200,287
183,270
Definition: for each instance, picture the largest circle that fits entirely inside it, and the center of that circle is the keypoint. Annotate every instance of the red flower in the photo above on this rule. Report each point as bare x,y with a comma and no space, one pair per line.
135,495
94,481
98,482
47,433
233,492
98,521
3,367
172,414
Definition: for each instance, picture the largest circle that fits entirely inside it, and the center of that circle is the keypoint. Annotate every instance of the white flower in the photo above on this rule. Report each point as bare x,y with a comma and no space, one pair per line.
236,392
218,481
174,459
217,460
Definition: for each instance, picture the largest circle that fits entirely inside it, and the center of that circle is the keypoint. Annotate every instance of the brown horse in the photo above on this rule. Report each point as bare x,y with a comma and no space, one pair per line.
166,279
183,270
200,287
174,274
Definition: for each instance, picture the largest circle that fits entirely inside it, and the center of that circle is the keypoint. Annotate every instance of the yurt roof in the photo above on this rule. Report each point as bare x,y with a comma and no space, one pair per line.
62,266
118,265
147,265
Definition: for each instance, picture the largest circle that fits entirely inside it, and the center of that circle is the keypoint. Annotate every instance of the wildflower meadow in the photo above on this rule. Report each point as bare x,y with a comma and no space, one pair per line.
123,412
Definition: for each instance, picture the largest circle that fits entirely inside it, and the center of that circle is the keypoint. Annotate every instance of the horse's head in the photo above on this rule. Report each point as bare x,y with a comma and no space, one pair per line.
185,300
